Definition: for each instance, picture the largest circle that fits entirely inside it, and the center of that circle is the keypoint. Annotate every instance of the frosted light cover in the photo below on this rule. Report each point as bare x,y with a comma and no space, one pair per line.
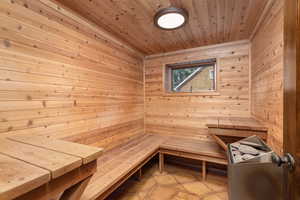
170,20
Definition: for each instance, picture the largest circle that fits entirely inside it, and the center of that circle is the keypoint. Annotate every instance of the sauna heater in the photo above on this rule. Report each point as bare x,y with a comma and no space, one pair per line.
252,172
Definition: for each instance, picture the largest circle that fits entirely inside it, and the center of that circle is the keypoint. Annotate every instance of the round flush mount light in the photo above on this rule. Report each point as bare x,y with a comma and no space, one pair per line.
170,18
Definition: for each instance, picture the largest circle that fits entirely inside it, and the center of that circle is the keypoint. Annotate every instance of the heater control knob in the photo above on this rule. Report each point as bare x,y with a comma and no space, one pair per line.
286,160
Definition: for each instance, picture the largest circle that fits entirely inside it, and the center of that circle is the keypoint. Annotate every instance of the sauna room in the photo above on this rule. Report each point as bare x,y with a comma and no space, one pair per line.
149,100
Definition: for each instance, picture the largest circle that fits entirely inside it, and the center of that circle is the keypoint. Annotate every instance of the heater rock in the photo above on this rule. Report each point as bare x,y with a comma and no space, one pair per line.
244,149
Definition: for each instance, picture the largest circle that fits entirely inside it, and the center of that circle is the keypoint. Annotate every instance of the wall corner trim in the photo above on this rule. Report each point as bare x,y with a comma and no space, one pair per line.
191,50
263,16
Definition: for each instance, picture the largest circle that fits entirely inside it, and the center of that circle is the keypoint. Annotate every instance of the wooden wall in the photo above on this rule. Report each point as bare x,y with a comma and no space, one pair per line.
61,76
186,115
267,75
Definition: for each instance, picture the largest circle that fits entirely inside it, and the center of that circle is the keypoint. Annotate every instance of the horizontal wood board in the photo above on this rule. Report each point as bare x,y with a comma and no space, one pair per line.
237,123
56,163
203,148
267,75
187,115
61,77
18,177
86,153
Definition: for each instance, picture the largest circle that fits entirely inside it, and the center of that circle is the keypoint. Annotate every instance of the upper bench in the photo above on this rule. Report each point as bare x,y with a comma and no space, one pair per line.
230,129
28,163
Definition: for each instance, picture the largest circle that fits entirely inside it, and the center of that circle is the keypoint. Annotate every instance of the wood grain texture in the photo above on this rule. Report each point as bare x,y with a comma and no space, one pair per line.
56,187
238,123
61,77
86,153
75,192
237,133
291,110
210,21
267,75
57,163
187,116
18,177
118,164
114,165
220,142
203,148
29,167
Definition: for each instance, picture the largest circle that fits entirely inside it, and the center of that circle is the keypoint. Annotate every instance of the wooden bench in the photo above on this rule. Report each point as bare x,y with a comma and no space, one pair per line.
118,164
198,150
231,129
38,168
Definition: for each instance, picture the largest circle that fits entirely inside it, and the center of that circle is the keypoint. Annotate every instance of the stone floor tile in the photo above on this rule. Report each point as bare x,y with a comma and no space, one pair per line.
215,186
142,195
178,183
185,196
212,197
179,187
197,188
162,193
165,180
223,195
184,178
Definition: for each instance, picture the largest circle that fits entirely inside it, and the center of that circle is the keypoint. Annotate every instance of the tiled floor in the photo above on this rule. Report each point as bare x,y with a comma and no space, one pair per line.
177,183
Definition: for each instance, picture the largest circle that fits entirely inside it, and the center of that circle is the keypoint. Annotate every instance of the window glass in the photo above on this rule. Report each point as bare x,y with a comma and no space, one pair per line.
197,77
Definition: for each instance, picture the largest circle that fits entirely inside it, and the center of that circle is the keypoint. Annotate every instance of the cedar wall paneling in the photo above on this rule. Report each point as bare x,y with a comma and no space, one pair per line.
61,77
267,75
187,116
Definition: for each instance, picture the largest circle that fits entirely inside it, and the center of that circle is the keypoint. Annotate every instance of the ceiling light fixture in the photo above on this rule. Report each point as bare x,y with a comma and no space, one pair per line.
170,18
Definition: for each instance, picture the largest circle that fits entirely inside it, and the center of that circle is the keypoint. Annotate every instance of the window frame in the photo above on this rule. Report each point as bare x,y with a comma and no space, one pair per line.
168,79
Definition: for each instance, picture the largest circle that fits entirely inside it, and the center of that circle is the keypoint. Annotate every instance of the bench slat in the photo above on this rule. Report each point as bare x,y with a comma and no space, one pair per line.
57,163
118,167
86,153
18,177
240,123
196,147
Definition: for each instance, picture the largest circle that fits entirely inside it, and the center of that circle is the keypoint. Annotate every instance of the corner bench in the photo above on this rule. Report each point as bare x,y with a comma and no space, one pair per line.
117,165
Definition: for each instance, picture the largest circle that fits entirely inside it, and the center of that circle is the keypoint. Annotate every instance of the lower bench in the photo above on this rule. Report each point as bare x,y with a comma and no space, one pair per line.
117,165
196,150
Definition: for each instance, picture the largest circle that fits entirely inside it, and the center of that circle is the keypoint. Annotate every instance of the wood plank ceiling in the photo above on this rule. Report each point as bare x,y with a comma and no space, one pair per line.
211,21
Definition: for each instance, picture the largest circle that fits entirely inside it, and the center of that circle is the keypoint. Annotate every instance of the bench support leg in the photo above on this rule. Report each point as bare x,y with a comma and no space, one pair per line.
161,162
75,192
139,174
203,170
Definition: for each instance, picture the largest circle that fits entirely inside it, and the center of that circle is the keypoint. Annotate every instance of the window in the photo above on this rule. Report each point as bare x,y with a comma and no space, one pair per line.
211,74
191,77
